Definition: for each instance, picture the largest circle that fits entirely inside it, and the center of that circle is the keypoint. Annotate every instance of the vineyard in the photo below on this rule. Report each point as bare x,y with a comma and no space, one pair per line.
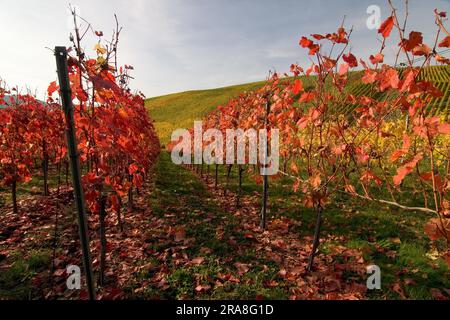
361,150
180,110
439,75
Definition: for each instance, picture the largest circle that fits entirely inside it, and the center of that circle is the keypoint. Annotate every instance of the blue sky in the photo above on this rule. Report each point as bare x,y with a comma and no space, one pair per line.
179,45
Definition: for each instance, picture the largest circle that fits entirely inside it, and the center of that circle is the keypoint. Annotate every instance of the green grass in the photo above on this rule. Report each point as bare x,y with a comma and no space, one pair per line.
180,110
16,281
179,192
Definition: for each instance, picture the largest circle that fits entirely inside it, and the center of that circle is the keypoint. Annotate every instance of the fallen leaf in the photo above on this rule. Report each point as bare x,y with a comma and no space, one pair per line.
198,260
180,234
397,287
242,267
202,288
437,294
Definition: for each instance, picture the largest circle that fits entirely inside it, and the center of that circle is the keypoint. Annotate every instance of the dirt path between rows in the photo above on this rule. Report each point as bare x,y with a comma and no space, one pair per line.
332,278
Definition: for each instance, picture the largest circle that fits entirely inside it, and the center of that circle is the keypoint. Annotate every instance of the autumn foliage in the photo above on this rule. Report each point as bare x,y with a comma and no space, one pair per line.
117,142
116,138
387,150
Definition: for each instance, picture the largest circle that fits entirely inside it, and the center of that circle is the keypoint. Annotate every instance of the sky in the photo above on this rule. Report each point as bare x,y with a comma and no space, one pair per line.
180,45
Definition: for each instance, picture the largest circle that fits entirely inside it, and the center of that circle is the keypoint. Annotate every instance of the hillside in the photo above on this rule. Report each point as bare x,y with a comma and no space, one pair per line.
180,110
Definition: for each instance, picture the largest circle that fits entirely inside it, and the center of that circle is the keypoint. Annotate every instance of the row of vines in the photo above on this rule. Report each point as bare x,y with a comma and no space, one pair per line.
116,139
390,146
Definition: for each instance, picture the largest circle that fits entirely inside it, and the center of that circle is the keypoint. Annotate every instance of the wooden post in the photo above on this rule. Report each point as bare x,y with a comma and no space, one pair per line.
66,163
45,168
119,218
130,193
265,177
66,100
316,241
216,176
230,166
102,240
239,193
14,195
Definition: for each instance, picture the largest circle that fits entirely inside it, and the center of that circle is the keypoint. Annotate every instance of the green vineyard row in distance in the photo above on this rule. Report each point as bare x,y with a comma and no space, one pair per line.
180,110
